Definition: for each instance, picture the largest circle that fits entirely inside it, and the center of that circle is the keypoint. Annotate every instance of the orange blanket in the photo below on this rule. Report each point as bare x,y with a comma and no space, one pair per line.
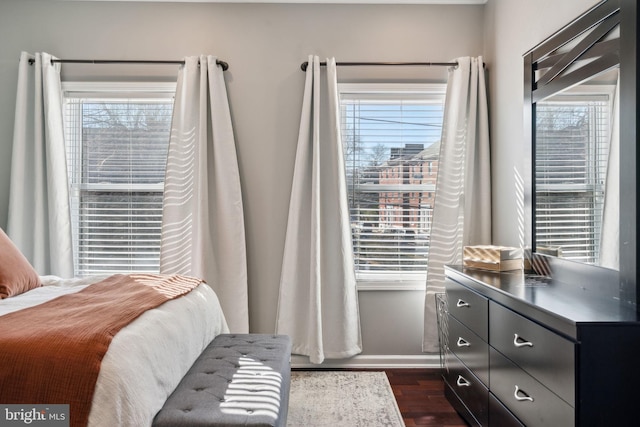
51,353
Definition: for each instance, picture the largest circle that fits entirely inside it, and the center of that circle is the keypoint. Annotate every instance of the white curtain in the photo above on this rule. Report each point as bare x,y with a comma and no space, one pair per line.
462,208
318,301
610,235
203,231
39,219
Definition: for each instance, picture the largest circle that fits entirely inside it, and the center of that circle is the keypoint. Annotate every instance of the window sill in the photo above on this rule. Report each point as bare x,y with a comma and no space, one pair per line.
379,285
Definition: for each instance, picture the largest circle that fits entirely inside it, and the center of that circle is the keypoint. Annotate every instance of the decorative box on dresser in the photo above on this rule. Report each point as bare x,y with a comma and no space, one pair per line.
530,350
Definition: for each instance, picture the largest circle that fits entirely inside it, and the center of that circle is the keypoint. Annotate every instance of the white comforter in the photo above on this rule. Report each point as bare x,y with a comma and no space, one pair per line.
147,358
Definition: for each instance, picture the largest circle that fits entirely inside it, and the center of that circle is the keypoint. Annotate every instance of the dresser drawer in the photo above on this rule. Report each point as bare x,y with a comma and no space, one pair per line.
529,400
470,349
500,416
545,355
459,406
468,388
469,307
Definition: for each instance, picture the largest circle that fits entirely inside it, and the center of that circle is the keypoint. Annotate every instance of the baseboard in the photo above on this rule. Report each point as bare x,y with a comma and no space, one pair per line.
370,361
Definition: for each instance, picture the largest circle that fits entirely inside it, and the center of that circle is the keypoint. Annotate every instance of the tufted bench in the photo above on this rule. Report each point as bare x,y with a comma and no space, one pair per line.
238,380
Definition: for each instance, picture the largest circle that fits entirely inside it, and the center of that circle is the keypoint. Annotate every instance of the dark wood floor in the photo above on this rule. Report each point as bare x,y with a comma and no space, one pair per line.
420,397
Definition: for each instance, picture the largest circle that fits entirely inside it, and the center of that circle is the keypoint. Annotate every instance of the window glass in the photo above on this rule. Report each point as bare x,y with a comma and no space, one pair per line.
391,138
117,140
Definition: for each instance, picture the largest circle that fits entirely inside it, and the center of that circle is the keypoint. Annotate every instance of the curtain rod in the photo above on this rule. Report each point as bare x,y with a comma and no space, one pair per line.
224,65
305,64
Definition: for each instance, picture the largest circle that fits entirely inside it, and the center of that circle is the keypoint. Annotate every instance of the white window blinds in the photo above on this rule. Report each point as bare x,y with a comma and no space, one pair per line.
391,136
572,149
117,140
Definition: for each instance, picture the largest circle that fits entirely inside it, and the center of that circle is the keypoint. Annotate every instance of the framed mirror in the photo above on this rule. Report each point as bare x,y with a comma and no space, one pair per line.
581,122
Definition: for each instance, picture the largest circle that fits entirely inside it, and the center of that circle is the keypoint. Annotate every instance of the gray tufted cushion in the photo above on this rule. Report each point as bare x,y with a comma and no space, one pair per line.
238,380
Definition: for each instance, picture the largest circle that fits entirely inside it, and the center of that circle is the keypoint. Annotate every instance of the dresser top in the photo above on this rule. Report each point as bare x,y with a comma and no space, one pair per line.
562,306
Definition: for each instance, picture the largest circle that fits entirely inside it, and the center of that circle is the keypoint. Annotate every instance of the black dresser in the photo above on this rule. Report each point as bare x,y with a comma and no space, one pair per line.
529,350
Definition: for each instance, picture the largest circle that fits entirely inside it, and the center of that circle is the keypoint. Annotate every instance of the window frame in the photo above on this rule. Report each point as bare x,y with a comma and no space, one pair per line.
392,280
105,90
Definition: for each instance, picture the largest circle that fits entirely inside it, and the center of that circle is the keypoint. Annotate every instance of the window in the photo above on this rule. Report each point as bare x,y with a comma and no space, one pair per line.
572,151
117,137
391,137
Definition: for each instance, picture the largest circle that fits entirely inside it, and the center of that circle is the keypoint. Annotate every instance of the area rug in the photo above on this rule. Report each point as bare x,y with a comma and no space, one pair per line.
342,399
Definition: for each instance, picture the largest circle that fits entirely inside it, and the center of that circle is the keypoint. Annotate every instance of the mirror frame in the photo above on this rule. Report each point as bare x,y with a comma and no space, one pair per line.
592,26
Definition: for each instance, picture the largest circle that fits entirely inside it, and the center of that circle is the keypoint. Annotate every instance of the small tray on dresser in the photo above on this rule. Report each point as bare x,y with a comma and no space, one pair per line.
494,258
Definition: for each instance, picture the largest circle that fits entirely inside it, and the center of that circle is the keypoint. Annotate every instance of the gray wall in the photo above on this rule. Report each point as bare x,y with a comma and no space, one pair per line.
264,45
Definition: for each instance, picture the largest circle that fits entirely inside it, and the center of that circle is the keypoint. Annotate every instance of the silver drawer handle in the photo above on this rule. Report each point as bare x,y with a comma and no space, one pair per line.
520,395
462,381
462,342
520,342
462,304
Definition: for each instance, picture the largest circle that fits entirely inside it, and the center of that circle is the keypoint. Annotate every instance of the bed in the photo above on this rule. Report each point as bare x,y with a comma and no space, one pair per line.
145,360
